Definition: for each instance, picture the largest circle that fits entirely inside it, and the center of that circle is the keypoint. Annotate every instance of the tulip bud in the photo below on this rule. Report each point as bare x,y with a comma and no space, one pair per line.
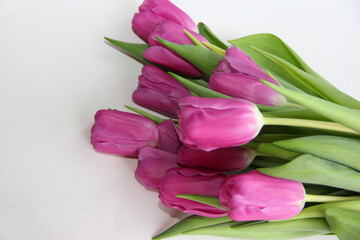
211,123
191,181
153,165
122,133
166,135
152,12
172,32
224,159
239,76
158,91
255,196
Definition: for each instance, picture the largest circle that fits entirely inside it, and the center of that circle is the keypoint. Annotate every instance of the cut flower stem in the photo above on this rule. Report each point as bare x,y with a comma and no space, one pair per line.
324,198
308,123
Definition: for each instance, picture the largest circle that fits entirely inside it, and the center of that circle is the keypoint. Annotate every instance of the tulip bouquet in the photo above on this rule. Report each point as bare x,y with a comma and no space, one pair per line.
253,142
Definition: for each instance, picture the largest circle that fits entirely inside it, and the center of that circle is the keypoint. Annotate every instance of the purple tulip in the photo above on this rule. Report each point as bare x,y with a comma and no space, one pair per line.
211,123
238,76
166,135
153,165
152,12
255,196
121,132
224,159
158,91
172,32
191,181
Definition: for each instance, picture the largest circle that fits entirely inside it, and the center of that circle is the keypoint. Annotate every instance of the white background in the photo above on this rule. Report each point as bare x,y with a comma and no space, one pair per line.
56,71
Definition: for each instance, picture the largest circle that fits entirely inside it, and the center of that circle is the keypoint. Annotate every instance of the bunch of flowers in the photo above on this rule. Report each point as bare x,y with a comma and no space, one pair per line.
253,143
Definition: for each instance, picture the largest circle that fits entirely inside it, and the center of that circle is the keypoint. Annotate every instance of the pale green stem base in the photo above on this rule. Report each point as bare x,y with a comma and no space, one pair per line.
308,123
293,105
324,198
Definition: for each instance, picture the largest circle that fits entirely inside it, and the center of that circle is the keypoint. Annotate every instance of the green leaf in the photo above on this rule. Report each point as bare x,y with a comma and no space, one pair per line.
311,169
344,223
145,114
318,85
272,150
266,230
210,36
196,88
342,150
274,45
190,223
208,200
135,50
346,116
204,59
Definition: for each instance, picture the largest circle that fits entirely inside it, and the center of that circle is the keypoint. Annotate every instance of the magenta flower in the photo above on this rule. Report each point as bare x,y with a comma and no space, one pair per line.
159,54
152,12
238,76
122,133
152,166
158,91
166,135
191,181
256,196
224,159
211,123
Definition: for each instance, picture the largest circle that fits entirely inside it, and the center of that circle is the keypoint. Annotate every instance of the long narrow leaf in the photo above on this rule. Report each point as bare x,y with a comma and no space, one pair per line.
210,36
318,85
342,150
346,116
135,50
311,169
190,223
204,59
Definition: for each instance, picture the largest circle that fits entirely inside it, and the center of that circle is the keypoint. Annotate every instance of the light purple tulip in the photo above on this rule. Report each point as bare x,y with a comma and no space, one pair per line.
158,91
239,76
166,135
152,12
224,159
153,165
172,32
255,196
211,123
191,181
122,133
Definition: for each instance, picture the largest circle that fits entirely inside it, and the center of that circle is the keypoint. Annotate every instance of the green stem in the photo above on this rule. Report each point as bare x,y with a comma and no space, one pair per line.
324,198
293,105
215,48
308,123
194,40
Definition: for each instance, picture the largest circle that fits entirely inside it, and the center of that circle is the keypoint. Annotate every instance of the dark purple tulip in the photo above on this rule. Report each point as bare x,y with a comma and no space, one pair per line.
152,12
122,133
158,91
153,165
239,76
191,181
166,136
224,159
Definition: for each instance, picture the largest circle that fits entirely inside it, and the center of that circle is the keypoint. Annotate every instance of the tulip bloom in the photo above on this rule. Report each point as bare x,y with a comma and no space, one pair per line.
159,54
224,159
122,133
153,165
158,91
152,12
191,181
238,76
211,123
255,196
166,135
